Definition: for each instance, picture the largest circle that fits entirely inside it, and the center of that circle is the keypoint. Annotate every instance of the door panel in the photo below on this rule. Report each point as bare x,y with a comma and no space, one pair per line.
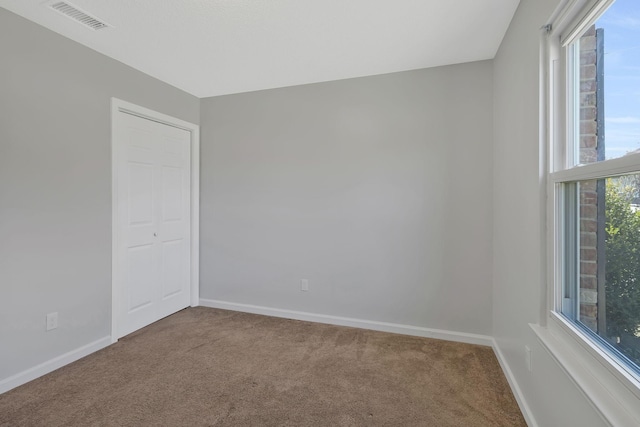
153,221
172,185
140,192
139,281
172,267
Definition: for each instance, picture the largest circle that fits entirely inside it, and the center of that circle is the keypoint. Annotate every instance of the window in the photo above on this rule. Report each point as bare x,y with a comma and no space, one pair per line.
595,178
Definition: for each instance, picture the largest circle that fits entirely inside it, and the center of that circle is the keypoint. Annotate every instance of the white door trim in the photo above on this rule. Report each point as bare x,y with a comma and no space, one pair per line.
120,106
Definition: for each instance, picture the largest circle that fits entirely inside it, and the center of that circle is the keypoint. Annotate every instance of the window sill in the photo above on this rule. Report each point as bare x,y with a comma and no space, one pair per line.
611,390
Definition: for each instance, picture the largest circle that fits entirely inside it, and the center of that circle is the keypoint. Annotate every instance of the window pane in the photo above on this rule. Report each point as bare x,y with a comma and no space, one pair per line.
604,229
608,81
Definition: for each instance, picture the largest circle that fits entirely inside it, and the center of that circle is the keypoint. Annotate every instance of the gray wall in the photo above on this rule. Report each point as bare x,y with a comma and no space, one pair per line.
518,271
378,190
55,187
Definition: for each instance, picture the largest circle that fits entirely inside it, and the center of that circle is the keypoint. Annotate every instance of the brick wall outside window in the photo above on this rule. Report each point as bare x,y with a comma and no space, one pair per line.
588,190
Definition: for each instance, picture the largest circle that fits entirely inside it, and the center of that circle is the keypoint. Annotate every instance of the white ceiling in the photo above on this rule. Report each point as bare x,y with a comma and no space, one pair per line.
216,47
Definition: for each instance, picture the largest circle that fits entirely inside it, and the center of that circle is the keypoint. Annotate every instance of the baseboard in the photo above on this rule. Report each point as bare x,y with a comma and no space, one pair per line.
355,323
53,364
515,388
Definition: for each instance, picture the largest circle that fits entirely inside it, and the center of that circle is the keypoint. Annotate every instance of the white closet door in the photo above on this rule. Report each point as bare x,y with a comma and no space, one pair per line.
153,221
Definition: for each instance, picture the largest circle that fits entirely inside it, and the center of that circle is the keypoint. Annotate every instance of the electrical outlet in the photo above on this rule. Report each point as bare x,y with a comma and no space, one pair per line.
52,321
527,357
304,285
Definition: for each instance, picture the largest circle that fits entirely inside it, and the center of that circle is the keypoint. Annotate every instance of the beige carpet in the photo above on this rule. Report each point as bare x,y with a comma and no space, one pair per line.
209,367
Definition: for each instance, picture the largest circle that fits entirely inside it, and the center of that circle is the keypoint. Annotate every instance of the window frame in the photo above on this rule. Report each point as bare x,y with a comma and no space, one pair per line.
613,389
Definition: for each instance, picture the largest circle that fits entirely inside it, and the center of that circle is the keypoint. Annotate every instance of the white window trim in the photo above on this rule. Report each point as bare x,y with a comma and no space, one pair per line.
611,398
612,391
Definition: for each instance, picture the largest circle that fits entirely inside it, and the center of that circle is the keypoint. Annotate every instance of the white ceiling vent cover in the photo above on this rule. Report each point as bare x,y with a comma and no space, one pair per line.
71,11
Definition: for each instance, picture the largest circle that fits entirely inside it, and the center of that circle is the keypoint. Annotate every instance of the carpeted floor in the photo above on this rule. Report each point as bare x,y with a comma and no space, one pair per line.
209,367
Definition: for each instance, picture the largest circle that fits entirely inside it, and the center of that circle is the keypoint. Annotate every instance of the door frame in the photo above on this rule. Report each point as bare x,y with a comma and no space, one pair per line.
119,106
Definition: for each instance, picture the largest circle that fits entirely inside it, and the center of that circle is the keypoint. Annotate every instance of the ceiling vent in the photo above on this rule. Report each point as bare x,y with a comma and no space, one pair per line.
71,11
